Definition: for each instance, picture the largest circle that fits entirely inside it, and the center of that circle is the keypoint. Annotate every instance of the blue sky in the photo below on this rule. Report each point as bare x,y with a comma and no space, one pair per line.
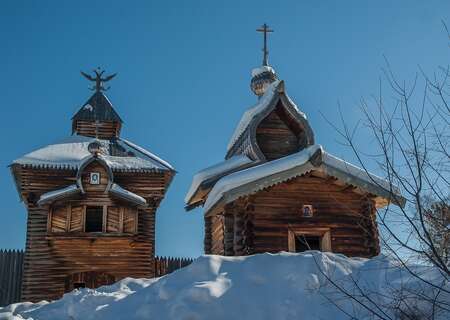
184,73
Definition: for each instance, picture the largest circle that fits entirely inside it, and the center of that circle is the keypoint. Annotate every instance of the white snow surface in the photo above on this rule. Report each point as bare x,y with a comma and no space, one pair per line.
242,177
262,69
58,193
298,159
70,152
264,286
115,188
215,170
262,104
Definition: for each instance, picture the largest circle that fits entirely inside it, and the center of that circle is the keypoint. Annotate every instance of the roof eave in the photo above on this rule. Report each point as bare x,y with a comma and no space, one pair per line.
316,162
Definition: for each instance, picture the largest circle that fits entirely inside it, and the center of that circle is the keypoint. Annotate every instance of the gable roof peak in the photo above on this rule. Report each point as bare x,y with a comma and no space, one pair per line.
97,108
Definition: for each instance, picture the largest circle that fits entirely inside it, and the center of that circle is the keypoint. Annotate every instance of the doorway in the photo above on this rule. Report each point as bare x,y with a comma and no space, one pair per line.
304,243
303,239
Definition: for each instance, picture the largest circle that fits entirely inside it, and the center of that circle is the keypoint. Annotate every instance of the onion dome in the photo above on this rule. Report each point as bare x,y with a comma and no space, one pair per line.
262,77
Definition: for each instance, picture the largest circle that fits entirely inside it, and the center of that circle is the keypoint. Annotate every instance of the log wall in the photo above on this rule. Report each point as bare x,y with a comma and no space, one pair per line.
60,251
275,138
101,130
262,221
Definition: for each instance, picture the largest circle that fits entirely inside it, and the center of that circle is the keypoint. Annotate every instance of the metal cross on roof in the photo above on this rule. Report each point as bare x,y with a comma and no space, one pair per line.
265,29
98,79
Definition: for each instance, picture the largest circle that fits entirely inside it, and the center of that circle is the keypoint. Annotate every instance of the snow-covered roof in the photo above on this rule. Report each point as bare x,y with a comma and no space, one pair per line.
263,102
70,152
72,189
57,194
216,170
127,195
251,180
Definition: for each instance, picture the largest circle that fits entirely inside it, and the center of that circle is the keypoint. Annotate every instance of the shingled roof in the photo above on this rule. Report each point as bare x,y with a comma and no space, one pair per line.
97,108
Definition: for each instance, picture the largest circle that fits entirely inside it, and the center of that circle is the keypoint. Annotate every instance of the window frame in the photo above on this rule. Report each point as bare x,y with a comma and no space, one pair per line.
99,208
324,235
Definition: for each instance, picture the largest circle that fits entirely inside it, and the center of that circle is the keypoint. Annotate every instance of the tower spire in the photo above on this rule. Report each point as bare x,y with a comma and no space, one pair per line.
265,30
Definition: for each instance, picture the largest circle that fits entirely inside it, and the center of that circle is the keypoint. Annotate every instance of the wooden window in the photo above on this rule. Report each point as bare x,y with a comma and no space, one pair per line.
113,221
94,219
58,216
129,220
76,219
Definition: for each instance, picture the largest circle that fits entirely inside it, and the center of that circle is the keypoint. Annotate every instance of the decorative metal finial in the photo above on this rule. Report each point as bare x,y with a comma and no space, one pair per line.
265,29
98,79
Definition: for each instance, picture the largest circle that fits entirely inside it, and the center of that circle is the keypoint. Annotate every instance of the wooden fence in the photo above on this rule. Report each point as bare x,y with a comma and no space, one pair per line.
11,272
166,265
10,276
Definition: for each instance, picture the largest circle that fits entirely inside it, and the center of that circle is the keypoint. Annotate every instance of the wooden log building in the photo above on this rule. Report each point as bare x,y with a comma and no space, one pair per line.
91,201
279,191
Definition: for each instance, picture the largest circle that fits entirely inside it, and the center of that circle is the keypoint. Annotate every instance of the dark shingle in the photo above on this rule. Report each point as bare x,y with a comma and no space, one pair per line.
98,108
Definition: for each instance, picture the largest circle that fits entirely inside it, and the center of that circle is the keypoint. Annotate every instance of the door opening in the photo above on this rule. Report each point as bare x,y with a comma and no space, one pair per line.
304,243
303,239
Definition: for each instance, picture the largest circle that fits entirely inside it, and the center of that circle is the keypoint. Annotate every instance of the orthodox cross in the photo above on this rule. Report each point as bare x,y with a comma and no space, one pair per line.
98,79
265,29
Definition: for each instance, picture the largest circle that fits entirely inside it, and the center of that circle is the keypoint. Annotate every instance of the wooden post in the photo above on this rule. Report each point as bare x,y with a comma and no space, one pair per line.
228,235
207,240
105,218
238,234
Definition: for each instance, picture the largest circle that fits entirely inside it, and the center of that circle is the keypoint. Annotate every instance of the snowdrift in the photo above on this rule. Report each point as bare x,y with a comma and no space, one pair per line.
263,286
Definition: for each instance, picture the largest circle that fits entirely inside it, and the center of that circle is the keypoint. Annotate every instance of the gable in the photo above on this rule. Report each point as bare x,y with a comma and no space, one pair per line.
278,135
292,121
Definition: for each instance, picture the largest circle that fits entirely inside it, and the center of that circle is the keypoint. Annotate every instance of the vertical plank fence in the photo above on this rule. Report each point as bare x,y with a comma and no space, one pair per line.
166,265
11,262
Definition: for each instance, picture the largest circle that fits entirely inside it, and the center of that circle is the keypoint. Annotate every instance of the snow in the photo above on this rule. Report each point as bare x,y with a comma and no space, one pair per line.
259,70
58,193
70,152
262,104
148,154
88,107
215,170
266,169
301,158
115,188
360,173
264,286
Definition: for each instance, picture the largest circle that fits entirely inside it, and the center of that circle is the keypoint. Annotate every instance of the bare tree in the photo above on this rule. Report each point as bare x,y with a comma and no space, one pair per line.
409,127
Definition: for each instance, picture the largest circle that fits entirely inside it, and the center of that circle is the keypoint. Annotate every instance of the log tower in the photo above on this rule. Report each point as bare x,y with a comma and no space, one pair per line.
91,200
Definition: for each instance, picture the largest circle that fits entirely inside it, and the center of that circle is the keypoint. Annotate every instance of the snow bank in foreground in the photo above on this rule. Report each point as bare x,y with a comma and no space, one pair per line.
264,286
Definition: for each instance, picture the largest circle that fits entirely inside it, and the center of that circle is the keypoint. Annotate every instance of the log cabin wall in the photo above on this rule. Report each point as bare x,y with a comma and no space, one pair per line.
101,130
277,136
61,251
217,235
262,221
